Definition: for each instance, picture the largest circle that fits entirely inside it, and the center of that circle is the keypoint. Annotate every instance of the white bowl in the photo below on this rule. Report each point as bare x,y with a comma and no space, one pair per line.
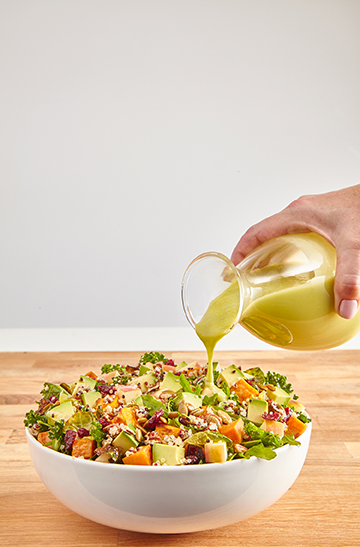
168,500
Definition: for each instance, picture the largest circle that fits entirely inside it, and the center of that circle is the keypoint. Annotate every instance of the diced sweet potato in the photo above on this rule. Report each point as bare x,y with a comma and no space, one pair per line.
164,429
244,390
143,456
44,439
234,430
83,448
295,427
126,416
91,375
115,402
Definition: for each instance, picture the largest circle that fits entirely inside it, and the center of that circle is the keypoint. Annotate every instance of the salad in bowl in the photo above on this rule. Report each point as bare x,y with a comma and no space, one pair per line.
159,414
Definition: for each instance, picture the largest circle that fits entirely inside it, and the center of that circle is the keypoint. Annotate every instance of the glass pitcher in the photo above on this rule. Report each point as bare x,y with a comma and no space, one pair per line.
285,292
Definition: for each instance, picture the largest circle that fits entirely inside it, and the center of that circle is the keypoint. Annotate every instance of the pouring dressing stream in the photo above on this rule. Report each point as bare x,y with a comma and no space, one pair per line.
220,317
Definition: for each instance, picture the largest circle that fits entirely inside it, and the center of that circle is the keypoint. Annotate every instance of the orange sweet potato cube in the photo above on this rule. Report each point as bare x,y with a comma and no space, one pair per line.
244,390
234,431
91,375
127,416
44,439
83,448
295,427
143,456
164,429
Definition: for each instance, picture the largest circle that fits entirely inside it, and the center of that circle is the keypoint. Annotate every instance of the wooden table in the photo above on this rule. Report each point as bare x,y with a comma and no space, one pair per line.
321,509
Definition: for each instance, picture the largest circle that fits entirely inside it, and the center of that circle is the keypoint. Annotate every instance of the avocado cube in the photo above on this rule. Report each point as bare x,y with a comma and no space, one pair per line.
145,369
60,412
124,441
183,366
188,398
139,401
256,409
231,375
168,454
279,396
64,396
90,397
211,389
170,382
145,381
85,383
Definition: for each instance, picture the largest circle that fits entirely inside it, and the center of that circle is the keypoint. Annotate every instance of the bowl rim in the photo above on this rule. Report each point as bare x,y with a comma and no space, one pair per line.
170,468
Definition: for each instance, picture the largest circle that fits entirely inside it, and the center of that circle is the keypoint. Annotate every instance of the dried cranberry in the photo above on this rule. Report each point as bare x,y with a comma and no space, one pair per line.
170,362
271,415
82,432
151,423
184,420
103,422
105,389
288,413
53,399
194,453
69,439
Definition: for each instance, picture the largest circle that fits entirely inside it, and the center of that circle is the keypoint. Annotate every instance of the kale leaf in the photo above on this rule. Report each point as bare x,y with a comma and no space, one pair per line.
153,357
57,434
97,432
32,418
278,380
51,389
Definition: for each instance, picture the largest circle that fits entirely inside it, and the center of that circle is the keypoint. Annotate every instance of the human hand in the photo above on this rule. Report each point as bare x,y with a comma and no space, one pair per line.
335,216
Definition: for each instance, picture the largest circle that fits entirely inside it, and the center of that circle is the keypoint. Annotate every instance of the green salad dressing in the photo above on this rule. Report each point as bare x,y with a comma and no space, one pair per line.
300,318
217,321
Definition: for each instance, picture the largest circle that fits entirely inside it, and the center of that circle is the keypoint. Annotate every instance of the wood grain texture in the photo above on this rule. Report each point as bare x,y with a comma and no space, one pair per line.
322,509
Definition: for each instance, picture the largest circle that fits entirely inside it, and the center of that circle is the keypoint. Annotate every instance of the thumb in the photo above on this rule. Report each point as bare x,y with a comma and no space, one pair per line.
347,281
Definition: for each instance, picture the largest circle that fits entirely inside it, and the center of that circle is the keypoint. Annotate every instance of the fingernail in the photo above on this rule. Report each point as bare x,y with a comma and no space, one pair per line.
348,308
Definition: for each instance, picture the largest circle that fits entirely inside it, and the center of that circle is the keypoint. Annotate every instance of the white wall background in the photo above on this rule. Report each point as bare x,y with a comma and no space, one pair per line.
136,134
